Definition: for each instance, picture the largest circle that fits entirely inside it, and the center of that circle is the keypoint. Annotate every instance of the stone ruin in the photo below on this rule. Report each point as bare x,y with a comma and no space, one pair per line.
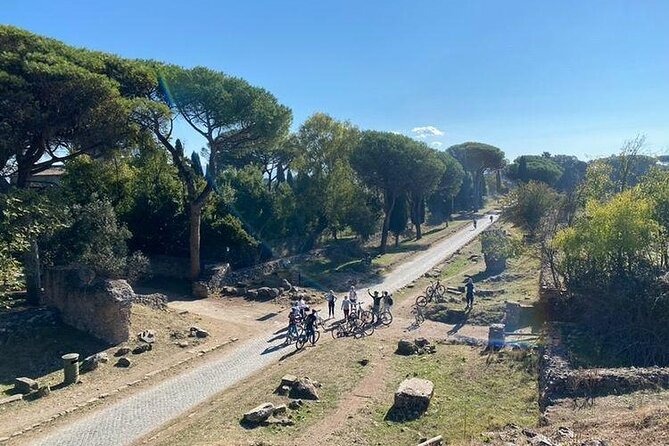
100,307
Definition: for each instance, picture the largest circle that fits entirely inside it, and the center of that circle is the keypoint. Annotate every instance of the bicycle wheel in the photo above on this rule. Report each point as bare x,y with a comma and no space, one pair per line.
429,290
336,332
421,301
300,339
386,318
440,290
315,337
367,317
367,329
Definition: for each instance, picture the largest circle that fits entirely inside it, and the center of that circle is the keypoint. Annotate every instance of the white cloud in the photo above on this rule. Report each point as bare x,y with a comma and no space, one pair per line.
436,144
428,130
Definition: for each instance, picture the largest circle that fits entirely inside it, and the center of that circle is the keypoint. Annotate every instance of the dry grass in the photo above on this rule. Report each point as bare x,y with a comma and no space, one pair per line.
640,418
217,422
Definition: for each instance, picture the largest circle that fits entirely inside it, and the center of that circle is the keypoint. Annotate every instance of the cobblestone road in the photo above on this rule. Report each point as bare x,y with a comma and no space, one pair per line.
139,414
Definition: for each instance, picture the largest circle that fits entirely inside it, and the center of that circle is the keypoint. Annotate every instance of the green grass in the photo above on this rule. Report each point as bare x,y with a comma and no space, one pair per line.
474,394
519,282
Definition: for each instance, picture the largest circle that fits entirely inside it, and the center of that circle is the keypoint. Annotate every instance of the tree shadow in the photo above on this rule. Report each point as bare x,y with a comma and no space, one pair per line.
461,322
34,340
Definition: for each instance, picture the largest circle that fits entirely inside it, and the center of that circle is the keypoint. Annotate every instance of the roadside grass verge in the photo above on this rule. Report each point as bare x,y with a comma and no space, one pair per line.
474,394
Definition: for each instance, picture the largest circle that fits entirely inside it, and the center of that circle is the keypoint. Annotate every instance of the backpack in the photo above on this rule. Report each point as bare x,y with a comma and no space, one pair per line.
390,301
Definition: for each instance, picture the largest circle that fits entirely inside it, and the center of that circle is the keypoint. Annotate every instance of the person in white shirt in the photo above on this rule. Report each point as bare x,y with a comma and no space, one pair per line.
346,307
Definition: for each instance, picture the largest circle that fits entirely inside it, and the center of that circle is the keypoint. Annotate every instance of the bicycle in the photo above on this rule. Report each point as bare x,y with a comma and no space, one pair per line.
418,314
434,291
384,317
303,338
435,288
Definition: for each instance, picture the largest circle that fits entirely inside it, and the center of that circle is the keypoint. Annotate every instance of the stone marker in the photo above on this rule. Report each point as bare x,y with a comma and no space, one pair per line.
70,368
258,414
25,385
413,395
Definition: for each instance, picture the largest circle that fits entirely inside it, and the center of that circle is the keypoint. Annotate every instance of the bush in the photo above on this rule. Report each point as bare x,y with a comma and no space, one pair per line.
497,247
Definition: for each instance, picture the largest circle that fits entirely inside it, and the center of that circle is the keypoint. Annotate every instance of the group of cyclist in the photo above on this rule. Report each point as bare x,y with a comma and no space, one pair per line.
350,306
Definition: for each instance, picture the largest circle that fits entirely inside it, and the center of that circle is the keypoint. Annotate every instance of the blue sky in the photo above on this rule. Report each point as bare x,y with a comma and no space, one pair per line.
575,77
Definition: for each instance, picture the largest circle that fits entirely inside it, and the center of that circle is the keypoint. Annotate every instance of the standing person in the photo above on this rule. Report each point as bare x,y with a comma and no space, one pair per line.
292,326
387,301
332,299
470,293
376,298
353,297
491,219
302,305
474,222
346,307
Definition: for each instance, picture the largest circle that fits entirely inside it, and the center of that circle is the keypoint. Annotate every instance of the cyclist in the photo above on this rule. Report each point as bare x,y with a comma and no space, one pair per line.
292,325
309,323
491,219
387,301
469,287
331,298
346,307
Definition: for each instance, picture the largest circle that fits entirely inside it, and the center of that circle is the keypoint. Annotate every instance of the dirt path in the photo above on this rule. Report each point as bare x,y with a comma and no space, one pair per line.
128,420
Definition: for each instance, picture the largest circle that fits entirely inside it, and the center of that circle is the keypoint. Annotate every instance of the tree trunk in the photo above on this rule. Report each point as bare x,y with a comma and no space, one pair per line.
419,233
397,240
194,243
390,205
33,274
498,181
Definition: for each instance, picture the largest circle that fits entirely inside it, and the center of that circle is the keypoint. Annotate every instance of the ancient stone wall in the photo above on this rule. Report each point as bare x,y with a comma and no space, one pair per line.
97,306
265,269
168,266
559,379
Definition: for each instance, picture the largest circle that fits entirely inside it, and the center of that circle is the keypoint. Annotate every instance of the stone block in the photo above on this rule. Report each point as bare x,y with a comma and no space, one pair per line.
413,395
258,414
25,385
